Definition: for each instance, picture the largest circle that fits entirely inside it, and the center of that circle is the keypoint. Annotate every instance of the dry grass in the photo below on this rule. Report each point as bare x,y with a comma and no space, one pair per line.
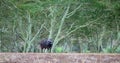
58,58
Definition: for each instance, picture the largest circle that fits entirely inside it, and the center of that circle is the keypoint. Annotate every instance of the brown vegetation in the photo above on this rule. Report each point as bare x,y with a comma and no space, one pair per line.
58,58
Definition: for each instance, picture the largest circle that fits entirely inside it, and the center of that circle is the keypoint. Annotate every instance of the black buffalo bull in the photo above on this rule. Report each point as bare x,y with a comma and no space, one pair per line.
46,44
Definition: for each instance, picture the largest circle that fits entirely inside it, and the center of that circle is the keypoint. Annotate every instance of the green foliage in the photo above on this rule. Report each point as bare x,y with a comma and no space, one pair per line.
74,25
58,49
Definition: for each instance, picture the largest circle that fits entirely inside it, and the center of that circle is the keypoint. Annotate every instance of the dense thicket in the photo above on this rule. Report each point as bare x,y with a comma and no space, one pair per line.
73,25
